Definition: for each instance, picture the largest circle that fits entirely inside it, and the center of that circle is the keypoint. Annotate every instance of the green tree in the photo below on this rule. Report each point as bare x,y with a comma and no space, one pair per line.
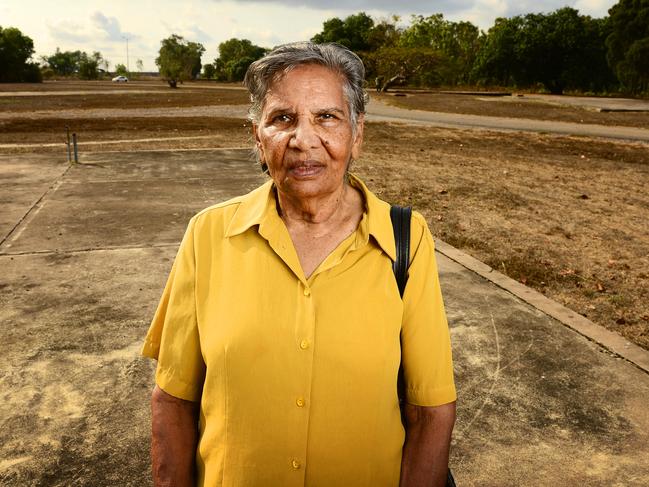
354,32
384,34
235,55
64,63
120,70
16,50
179,60
209,71
561,50
455,42
627,44
418,66
89,65
496,61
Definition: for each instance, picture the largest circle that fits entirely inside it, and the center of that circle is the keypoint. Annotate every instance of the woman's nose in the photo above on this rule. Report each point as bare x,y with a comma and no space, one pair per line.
304,136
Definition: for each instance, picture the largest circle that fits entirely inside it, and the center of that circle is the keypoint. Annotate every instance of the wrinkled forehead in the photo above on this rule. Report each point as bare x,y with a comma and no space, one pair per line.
276,83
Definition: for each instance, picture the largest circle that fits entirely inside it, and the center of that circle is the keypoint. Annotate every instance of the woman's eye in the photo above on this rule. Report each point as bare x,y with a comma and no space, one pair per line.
282,118
328,116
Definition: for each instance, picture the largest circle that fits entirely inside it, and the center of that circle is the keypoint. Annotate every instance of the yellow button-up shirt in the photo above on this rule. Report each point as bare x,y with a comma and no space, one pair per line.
296,377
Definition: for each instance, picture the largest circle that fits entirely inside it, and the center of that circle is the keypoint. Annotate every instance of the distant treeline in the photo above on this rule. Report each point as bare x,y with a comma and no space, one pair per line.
558,51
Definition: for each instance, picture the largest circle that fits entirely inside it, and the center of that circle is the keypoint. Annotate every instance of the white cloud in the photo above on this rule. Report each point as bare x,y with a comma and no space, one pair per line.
110,27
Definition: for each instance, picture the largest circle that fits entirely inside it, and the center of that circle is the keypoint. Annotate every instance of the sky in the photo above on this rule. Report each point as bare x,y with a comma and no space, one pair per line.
104,26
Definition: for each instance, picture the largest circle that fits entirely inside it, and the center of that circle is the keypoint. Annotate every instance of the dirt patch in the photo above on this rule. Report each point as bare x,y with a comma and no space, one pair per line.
49,130
187,97
513,108
564,215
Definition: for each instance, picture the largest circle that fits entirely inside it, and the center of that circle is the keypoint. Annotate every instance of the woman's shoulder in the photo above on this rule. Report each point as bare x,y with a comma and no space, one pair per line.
219,210
217,218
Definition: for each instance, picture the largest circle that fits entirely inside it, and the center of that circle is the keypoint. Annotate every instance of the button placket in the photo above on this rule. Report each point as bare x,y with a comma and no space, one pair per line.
304,343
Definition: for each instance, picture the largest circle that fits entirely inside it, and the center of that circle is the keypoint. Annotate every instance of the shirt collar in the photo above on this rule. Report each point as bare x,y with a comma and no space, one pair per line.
260,205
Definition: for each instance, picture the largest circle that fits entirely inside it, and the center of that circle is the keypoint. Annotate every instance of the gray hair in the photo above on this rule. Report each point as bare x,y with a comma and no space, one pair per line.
265,71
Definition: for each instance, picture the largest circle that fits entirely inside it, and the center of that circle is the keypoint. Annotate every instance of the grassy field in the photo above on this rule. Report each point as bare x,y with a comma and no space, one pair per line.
568,216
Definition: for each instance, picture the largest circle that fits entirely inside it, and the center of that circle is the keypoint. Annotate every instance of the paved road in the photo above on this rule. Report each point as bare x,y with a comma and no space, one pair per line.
380,112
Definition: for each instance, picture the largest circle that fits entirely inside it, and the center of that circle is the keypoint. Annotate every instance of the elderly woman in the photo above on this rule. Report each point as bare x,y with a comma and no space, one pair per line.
281,330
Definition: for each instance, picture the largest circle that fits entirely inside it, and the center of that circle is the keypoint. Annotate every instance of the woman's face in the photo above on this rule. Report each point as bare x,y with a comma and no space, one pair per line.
305,134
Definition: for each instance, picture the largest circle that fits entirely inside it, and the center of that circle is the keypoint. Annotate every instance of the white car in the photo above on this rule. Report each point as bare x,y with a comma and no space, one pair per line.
120,79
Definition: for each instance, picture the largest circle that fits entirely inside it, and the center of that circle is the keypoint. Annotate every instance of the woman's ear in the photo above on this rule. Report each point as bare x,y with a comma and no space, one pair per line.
357,143
258,145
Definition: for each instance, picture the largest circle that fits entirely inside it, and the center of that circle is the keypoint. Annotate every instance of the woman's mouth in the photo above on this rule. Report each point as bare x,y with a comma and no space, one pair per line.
307,170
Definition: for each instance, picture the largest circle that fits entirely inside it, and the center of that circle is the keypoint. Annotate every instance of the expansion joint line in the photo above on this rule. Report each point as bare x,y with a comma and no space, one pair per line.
53,187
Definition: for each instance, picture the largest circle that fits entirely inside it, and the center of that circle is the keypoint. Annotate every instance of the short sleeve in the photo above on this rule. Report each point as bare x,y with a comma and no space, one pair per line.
173,337
425,338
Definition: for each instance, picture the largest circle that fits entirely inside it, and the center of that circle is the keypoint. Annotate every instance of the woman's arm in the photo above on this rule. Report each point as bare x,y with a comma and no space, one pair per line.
174,433
428,438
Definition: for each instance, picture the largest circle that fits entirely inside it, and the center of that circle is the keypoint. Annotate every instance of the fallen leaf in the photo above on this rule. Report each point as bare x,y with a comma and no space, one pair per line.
567,272
621,321
442,191
584,197
600,288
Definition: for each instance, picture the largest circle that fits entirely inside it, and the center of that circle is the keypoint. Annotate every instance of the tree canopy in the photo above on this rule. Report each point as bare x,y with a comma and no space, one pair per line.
353,32
561,50
16,49
235,55
556,51
89,65
120,70
68,63
455,42
63,63
179,60
431,51
628,44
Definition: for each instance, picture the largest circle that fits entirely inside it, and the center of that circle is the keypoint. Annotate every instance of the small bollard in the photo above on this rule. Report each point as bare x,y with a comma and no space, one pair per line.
67,130
74,144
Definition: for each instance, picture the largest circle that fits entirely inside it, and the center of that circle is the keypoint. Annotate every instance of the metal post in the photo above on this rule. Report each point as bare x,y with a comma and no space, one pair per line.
67,130
74,143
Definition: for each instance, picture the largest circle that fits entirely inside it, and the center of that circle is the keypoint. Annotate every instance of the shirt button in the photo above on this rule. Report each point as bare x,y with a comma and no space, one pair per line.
304,344
307,292
296,464
300,402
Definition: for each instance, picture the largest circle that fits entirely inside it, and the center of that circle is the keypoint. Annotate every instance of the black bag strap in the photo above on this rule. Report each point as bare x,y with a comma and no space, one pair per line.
400,217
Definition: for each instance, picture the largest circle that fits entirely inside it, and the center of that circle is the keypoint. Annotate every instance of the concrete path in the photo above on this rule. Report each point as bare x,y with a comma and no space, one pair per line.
84,255
381,112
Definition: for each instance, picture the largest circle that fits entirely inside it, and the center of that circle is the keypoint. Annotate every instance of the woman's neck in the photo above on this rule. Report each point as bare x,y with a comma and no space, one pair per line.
322,212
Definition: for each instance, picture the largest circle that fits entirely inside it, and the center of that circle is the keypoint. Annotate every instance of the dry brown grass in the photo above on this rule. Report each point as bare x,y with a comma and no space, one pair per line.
567,216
